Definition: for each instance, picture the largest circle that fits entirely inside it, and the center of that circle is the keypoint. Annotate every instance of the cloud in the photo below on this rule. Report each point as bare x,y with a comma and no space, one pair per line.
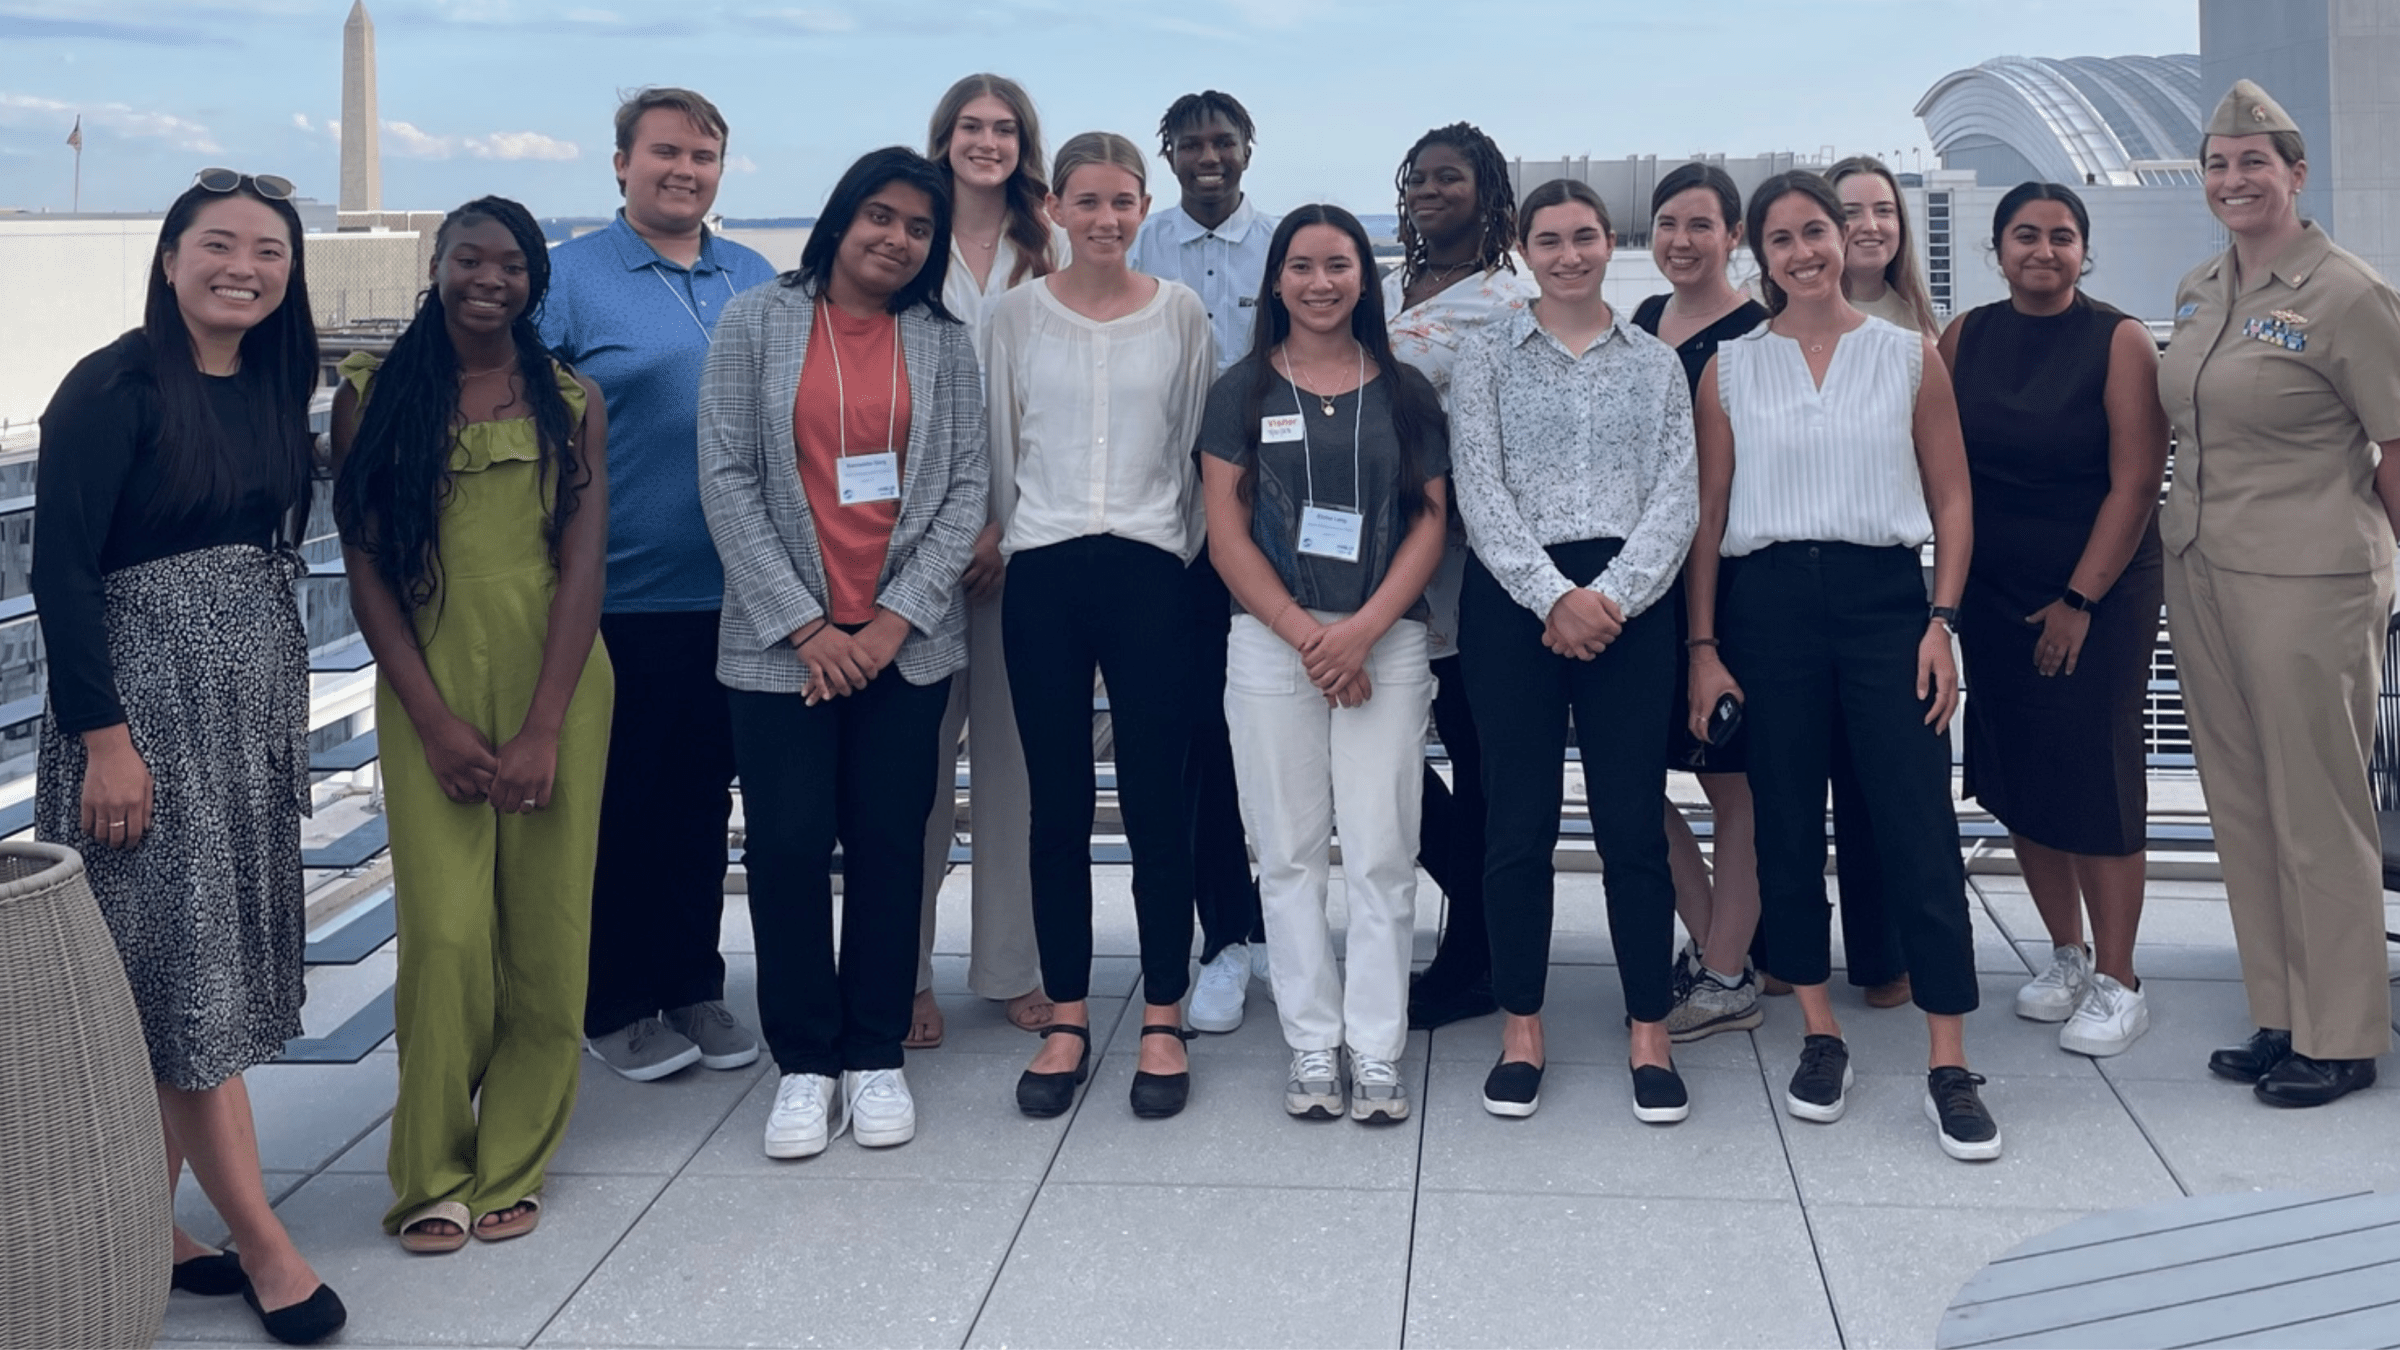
410,142
809,19
29,26
120,119
740,164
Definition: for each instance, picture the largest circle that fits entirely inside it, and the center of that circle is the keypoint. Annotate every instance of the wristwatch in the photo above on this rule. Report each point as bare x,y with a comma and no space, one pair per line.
1948,614
2077,600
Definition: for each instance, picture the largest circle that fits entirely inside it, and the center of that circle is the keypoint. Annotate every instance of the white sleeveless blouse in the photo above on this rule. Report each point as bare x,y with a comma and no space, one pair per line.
1836,463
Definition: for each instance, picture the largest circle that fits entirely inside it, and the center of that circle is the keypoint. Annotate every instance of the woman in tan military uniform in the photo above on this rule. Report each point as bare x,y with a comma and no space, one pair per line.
2282,377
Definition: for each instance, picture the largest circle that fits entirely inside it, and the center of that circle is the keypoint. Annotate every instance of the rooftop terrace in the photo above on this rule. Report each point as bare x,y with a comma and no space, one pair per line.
1234,1225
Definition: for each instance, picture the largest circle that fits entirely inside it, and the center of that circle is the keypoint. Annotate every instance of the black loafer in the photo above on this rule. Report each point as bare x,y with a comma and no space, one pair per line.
1659,1097
212,1276
1434,1002
1157,1096
2301,1081
307,1322
1043,1095
2253,1059
1513,1088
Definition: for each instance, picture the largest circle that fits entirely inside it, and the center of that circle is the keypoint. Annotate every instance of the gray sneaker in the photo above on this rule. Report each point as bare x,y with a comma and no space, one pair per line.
1709,1007
1314,1091
724,1043
1378,1095
644,1049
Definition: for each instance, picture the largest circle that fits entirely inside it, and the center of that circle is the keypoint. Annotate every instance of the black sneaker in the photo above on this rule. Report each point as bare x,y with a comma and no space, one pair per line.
1513,1088
1658,1095
1966,1130
1821,1080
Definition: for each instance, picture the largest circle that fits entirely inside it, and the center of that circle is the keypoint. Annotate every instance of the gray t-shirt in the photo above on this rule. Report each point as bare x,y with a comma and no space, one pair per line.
1281,479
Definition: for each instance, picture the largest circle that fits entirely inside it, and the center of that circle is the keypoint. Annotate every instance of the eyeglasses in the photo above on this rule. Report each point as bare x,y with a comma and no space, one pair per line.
266,185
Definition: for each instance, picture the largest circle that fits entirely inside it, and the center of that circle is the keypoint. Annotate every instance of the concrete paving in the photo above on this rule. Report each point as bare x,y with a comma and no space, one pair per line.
1234,1225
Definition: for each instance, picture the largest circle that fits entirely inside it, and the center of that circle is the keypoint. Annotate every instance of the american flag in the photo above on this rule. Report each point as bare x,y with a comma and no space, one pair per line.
75,137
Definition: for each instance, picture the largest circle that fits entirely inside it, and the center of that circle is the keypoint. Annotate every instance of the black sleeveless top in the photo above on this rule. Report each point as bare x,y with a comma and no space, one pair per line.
1700,346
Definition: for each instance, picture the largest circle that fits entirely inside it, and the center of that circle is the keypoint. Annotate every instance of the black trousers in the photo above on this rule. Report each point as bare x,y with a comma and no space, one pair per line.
858,770
658,898
1450,839
1522,693
1222,886
1111,603
1825,635
1870,942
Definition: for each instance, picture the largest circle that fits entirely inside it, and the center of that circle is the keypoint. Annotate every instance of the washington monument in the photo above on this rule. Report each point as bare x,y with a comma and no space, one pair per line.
362,161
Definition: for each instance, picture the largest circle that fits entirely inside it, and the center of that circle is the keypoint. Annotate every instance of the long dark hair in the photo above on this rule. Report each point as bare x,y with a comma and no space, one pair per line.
874,169
1495,201
1416,416
388,500
2030,191
196,454
1027,227
1782,185
1699,174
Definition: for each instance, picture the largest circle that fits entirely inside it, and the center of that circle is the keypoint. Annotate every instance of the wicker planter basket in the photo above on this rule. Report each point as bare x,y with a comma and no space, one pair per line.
85,1216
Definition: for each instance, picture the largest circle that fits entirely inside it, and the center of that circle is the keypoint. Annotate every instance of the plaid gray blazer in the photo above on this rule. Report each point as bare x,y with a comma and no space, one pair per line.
759,515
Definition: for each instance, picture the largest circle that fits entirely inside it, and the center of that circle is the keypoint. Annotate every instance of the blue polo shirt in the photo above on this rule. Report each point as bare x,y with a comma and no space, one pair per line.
639,325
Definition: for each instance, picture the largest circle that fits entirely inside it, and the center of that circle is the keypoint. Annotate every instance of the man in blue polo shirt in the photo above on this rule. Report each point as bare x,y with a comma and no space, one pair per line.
1215,242
633,306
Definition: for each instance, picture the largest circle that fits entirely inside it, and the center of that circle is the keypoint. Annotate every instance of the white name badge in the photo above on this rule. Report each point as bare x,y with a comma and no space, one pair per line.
1329,533
1278,430
869,478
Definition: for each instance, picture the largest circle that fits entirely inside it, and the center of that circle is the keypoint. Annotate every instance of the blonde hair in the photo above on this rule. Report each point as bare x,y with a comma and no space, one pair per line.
1027,228
1098,147
1901,272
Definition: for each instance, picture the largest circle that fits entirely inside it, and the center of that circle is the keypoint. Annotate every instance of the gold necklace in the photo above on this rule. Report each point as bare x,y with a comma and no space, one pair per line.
1291,367
479,374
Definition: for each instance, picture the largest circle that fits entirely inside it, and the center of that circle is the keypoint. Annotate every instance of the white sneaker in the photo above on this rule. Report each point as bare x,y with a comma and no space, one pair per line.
882,1113
1378,1095
1259,971
1314,1089
805,1116
2108,1021
2052,996
1223,986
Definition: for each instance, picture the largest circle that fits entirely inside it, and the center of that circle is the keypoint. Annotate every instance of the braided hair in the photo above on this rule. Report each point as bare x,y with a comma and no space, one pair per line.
1193,109
1495,202
389,497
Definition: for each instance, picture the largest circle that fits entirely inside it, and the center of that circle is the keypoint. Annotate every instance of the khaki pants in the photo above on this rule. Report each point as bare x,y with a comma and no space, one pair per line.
2280,677
1004,963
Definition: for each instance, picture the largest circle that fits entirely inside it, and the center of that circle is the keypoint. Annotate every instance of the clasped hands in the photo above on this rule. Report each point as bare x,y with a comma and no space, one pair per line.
840,663
1582,623
1333,655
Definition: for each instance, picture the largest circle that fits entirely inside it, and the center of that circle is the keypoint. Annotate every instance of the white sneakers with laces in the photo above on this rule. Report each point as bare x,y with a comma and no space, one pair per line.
2108,1021
1222,989
805,1117
2053,995
882,1113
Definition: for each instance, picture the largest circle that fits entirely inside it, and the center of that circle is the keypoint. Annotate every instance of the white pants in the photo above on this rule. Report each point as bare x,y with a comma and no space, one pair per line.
1003,963
1300,762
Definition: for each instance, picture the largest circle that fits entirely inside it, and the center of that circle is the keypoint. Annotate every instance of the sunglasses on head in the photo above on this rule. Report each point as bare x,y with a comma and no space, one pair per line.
266,185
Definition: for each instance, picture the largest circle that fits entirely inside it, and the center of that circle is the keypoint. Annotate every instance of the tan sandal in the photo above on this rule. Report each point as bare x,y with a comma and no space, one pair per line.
1032,1010
427,1242
528,1218
925,1026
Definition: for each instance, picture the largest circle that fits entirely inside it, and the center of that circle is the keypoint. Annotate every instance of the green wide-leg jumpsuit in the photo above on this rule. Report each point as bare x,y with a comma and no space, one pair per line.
494,909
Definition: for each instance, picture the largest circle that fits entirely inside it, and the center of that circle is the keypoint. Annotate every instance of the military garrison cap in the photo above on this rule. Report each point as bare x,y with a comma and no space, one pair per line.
2247,110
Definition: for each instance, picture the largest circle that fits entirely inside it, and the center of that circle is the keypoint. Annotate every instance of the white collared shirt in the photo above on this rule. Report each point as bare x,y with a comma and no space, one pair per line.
1092,423
968,302
1224,266
1834,461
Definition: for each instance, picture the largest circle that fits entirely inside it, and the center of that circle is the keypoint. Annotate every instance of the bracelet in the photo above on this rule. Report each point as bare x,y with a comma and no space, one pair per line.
1691,643
1288,602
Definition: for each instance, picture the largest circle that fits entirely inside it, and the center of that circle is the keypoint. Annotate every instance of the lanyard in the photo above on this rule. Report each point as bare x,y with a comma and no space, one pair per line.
891,428
722,275
1358,412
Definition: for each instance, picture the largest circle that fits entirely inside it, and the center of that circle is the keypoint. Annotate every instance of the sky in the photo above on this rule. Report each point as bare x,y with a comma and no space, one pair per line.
515,96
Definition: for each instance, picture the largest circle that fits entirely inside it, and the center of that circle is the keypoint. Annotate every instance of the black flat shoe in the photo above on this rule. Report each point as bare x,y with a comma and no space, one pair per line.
307,1322
1043,1095
2253,1059
1157,1096
1658,1095
1436,1003
212,1276
1513,1088
2301,1081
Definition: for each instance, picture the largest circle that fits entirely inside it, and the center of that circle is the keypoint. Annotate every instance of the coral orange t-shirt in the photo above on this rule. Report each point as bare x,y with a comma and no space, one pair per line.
853,396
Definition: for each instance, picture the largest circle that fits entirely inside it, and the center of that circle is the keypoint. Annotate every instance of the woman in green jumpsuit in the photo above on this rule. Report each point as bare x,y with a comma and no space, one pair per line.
471,493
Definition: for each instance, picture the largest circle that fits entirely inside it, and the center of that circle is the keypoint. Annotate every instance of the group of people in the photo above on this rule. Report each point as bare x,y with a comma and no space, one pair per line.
1694,533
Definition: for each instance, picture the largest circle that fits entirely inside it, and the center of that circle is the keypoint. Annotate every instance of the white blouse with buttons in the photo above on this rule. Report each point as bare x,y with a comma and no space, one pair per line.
1836,462
1093,423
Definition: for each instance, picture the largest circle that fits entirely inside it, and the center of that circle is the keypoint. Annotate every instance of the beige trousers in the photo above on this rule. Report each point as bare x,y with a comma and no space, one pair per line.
1003,962
2280,677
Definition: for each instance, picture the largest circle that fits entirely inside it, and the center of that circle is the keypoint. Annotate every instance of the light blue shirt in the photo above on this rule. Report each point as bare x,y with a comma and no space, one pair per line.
1224,265
640,326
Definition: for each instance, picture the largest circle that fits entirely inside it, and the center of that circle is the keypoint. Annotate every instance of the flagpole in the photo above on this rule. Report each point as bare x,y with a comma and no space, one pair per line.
75,141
